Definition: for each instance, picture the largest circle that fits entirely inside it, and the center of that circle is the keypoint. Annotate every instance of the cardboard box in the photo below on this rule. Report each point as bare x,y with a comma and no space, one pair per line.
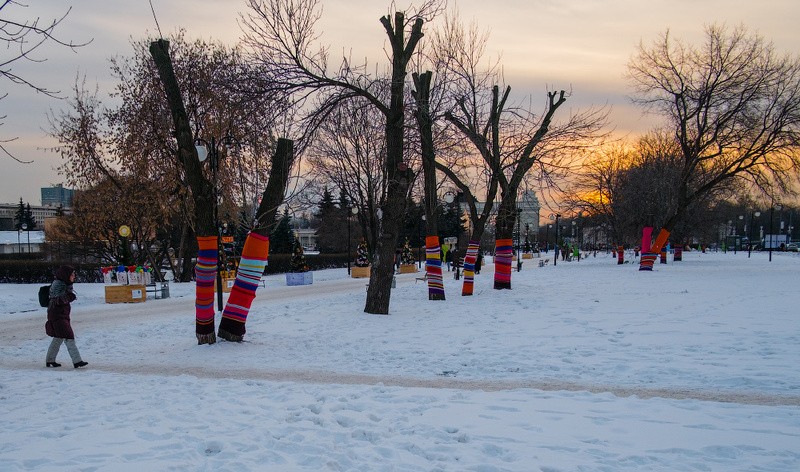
360,272
125,293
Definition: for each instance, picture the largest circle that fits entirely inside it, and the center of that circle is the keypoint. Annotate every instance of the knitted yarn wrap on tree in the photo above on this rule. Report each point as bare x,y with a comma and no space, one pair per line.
205,274
248,277
433,268
504,252
469,268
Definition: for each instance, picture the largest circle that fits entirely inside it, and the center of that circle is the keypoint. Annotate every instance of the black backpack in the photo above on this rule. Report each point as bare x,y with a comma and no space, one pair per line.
44,295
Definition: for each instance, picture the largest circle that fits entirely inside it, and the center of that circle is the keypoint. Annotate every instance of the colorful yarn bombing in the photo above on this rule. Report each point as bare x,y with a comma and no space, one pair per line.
662,238
433,268
502,263
469,268
205,274
248,276
647,260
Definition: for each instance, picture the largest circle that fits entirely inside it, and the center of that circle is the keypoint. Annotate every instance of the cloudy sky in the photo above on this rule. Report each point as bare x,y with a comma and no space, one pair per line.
582,45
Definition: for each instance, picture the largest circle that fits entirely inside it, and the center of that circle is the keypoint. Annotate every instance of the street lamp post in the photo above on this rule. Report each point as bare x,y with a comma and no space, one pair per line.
547,238
772,238
19,244
750,234
555,246
353,211
421,241
519,237
210,151
27,230
736,237
728,230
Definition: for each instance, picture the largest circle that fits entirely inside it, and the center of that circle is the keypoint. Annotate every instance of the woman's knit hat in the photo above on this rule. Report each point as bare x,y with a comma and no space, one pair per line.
63,273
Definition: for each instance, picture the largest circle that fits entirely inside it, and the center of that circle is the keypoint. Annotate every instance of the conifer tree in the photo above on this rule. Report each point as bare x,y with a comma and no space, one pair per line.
19,216
406,255
282,237
362,254
328,223
28,218
298,261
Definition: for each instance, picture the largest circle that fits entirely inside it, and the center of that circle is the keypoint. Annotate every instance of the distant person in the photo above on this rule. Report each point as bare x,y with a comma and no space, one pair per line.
478,262
58,322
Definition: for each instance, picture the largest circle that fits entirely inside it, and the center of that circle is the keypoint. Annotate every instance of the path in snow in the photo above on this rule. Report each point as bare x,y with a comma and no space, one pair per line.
96,316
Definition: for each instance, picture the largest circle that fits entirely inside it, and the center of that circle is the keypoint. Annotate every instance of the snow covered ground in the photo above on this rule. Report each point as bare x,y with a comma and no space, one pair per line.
588,366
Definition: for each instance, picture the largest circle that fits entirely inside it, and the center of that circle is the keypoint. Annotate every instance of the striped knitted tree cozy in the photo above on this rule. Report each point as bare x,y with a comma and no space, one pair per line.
469,268
503,251
433,268
205,274
647,261
655,249
248,276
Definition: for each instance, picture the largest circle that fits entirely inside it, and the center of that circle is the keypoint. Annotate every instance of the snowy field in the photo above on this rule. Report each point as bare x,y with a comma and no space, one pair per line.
587,366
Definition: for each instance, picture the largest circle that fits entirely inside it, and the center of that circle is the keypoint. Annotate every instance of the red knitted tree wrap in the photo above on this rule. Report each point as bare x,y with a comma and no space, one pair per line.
205,273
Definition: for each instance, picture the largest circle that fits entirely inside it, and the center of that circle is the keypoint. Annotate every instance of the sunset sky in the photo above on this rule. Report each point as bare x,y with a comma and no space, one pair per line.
582,45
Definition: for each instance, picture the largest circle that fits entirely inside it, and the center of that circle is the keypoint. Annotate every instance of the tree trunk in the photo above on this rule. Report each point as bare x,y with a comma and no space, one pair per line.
256,247
433,262
202,193
397,172
506,217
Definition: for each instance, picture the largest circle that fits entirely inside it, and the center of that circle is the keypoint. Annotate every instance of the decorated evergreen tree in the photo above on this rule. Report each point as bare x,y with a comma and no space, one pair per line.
406,256
298,261
362,255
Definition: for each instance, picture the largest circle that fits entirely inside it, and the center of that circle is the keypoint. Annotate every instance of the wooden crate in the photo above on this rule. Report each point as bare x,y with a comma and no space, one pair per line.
408,268
360,272
125,293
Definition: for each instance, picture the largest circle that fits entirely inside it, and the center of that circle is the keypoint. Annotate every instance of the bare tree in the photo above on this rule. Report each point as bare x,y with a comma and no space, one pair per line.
595,189
348,151
281,35
22,37
733,105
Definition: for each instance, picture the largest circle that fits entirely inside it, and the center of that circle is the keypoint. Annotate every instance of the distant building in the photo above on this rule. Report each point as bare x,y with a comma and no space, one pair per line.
9,210
57,196
529,217
528,203
21,242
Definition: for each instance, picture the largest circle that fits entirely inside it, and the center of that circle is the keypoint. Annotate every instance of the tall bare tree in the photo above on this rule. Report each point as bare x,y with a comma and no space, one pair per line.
348,151
733,106
280,34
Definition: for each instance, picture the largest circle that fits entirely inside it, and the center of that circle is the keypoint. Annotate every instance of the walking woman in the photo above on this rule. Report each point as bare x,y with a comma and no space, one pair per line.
58,323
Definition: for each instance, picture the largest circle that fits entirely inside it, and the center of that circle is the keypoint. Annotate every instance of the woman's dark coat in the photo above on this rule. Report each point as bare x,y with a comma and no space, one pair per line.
58,311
